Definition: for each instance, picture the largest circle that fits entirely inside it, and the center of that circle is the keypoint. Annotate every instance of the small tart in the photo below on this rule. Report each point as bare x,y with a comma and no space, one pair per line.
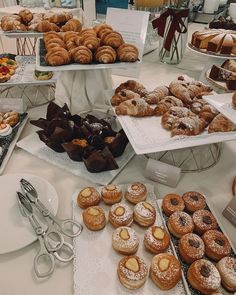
172,203
94,218
88,197
203,221
144,214
120,215
194,201
227,269
132,272
111,194
136,192
156,240
180,223
125,240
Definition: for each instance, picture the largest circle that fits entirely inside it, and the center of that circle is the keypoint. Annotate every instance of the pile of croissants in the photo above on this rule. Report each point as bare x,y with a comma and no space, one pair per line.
99,44
25,20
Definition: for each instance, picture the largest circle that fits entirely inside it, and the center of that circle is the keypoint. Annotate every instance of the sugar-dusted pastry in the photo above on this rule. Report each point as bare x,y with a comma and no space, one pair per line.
194,201
172,203
125,240
73,24
57,57
26,16
221,124
46,26
88,197
111,194
208,113
166,103
180,223
94,218
127,53
134,86
156,240
144,214
188,126
203,276
132,272
112,38
120,215
217,245
165,271
92,42
123,95
136,192
136,107
157,94
227,269
203,221
191,248
234,100
197,104
81,55
101,29
105,54
13,25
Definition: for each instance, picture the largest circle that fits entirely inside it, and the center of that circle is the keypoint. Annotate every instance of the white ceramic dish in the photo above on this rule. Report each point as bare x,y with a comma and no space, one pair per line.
223,103
15,230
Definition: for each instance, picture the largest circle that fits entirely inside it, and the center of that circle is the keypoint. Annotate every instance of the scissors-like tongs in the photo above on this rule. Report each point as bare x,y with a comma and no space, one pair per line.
51,243
68,227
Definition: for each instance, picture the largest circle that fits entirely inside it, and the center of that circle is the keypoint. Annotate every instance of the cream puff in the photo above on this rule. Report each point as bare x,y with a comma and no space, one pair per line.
156,240
172,203
227,269
88,197
94,218
111,194
136,192
120,215
194,201
180,223
144,214
125,240
203,221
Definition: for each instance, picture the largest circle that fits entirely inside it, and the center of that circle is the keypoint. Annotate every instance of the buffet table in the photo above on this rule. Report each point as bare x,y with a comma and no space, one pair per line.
16,268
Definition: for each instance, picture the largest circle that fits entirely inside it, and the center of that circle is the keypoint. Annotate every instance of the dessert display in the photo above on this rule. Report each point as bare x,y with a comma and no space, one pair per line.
88,197
172,203
144,214
25,21
132,272
87,139
180,223
120,215
136,192
194,201
7,67
94,218
125,240
165,271
99,44
156,240
203,221
227,269
111,194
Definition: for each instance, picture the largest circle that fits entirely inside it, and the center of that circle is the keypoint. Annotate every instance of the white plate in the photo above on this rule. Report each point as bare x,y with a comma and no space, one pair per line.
223,103
15,230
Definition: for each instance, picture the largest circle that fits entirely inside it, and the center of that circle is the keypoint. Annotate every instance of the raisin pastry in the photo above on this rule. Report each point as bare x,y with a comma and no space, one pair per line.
112,38
134,107
127,53
157,95
188,126
169,118
92,42
133,86
105,54
72,25
125,240
221,124
81,55
57,57
101,29
26,16
123,95
165,104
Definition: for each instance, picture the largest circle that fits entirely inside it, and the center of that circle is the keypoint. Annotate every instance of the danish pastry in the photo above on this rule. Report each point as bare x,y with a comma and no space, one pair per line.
172,203
194,201
120,215
26,16
197,105
133,86
156,240
136,192
81,55
136,107
188,126
132,272
123,95
144,214
169,118
157,94
216,244
191,248
111,194
227,269
94,218
165,104
203,221
88,197
180,223
112,38
165,271
204,276
57,56
221,124
127,53
72,25
125,240
105,54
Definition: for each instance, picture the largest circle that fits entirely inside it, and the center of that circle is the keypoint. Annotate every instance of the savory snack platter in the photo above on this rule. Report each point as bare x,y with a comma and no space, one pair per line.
215,231
99,245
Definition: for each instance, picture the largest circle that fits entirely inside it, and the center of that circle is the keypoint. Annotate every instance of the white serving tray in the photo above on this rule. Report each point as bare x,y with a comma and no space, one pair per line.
223,103
96,273
79,67
36,147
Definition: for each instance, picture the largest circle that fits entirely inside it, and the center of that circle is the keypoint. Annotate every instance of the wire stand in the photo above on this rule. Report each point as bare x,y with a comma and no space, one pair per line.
26,46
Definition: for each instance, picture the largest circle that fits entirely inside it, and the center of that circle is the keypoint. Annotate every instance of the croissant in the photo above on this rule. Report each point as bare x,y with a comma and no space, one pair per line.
72,25
52,45
169,118
112,38
134,86
51,35
69,35
26,16
134,107
165,104
81,55
123,95
221,124
105,54
57,56
11,17
58,18
56,40
87,32
101,29
157,94
208,113
188,126
70,44
37,17
127,53
46,26
90,41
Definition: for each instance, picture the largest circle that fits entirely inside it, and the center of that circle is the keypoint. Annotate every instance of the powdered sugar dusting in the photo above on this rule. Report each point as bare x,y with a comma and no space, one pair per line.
217,242
131,275
227,266
193,245
128,213
136,188
130,242
198,219
143,211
